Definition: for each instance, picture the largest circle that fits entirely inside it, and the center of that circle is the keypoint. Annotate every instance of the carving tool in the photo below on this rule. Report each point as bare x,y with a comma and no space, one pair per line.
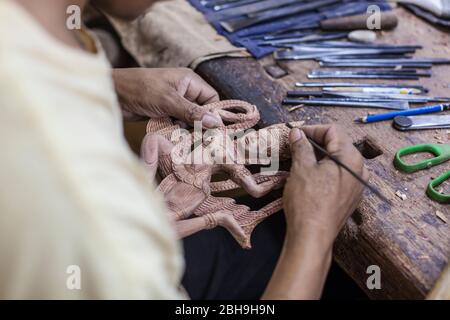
355,103
361,64
309,53
324,152
411,74
371,90
440,8
352,86
253,7
389,97
306,38
234,25
403,123
369,96
411,112
388,20
432,61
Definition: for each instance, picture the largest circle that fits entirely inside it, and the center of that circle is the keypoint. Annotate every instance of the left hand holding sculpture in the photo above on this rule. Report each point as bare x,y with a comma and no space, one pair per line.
162,92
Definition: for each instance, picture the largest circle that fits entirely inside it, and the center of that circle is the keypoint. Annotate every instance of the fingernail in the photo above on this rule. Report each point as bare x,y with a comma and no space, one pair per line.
211,121
296,135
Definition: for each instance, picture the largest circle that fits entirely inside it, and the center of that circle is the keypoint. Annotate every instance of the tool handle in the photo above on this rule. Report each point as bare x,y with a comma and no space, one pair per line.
440,151
388,21
436,195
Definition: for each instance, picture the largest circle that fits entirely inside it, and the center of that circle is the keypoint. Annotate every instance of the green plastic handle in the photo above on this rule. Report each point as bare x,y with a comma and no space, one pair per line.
440,151
434,194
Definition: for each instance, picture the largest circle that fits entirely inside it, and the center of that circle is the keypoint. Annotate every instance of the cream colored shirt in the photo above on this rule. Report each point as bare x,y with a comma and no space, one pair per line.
79,219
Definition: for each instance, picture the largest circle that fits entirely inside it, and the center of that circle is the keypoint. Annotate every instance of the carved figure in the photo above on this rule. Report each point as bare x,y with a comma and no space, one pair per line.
187,162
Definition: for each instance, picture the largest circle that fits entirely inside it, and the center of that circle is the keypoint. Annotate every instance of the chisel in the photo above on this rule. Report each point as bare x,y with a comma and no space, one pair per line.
234,25
396,105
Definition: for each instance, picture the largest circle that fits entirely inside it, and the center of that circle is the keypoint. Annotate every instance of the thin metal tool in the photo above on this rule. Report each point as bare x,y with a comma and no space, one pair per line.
306,38
359,64
253,7
234,25
324,152
359,85
305,53
403,123
390,97
371,90
392,105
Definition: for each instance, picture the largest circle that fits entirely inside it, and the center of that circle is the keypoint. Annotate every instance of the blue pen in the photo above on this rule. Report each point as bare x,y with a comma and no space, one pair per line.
410,112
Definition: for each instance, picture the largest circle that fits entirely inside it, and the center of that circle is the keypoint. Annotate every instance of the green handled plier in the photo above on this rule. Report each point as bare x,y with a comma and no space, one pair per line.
441,153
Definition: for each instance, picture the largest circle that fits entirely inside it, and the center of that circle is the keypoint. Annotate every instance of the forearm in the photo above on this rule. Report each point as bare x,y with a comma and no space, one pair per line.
301,270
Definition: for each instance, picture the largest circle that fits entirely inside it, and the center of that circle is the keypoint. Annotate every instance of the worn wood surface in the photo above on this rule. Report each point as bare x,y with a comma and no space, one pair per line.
407,241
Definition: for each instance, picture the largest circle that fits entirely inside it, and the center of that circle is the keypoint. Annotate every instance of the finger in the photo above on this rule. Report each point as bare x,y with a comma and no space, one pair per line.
199,91
190,112
333,139
302,150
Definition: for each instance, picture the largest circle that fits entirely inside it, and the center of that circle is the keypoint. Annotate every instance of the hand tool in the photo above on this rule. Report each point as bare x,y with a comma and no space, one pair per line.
359,64
306,53
388,20
403,123
365,75
441,153
428,16
372,90
432,61
389,97
440,8
393,105
240,23
359,85
222,5
324,152
306,38
411,112
253,7
369,96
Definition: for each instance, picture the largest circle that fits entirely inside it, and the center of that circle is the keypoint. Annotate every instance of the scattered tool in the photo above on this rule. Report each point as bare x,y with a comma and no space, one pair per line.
234,25
389,97
311,53
327,86
389,21
411,112
440,8
409,74
403,123
441,153
361,103
402,91
324,152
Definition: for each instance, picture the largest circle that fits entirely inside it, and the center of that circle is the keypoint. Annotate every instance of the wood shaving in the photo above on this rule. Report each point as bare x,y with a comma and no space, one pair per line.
401,195
441,216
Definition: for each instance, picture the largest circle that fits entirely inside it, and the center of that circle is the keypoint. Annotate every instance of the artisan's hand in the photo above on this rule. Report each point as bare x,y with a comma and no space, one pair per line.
156,93
319,195
318,199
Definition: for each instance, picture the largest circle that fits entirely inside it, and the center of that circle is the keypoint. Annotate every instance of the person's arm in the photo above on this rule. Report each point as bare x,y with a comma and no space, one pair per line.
156,93
318,199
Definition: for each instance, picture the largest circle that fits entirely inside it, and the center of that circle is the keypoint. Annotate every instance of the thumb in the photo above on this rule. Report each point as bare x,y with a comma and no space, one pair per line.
193,112
302,150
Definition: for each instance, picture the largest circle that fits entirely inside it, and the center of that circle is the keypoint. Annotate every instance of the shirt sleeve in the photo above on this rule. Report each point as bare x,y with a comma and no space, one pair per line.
78,218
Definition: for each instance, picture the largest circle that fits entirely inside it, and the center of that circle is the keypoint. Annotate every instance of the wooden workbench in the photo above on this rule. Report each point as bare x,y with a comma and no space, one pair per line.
407,241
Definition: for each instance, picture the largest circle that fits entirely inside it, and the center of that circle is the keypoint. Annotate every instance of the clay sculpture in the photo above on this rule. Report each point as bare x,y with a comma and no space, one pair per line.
187,161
